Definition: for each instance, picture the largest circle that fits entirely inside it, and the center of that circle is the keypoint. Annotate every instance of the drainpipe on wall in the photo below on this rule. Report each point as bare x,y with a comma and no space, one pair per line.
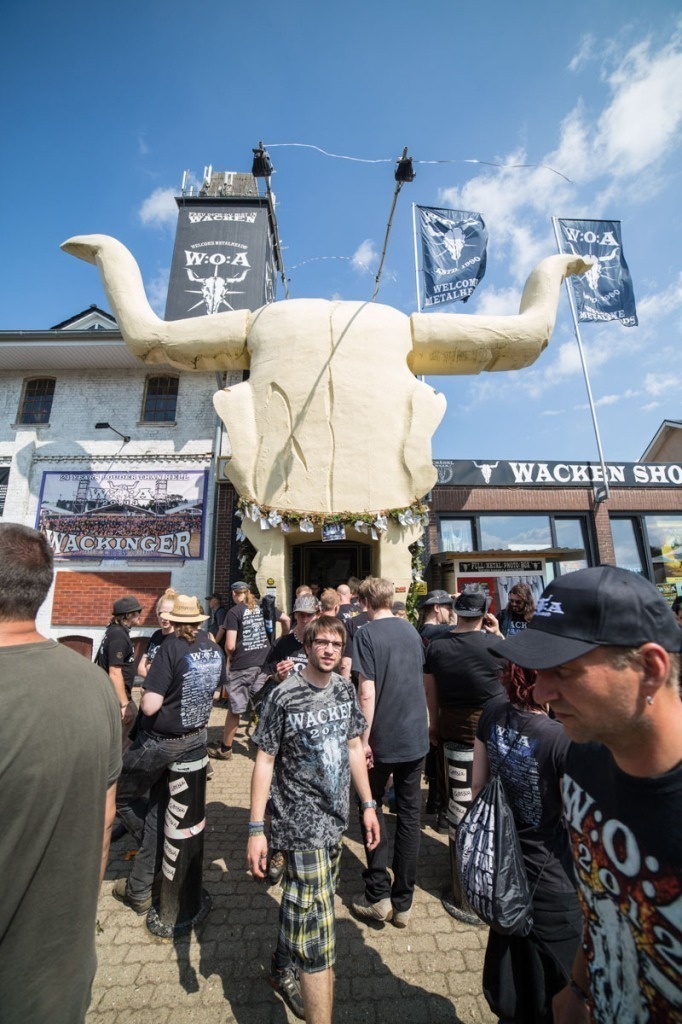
213,476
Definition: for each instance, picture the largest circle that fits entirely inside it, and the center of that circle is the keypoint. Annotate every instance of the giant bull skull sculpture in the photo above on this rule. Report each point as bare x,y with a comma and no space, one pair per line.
332,418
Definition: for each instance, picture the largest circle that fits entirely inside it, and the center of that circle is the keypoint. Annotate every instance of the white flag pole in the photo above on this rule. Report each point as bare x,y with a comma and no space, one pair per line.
574,314
416,256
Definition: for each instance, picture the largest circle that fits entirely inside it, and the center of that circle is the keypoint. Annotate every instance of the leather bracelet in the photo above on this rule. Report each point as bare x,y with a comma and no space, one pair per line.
578,991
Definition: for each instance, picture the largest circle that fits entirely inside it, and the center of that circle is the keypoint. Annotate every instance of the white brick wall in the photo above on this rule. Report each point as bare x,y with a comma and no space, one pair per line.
70,443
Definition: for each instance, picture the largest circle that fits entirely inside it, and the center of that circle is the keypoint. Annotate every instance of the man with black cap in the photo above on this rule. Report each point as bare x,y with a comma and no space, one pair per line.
461,674
606,650
116,656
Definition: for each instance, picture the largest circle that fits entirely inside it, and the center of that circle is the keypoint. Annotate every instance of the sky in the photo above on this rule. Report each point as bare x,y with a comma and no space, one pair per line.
105,106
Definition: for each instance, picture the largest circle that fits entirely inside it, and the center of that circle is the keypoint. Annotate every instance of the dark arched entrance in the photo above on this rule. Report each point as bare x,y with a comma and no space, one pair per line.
327,565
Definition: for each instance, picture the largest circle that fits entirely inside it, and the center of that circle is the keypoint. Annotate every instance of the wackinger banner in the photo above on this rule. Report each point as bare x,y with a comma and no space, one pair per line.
144,514
223,258
605,292
453,254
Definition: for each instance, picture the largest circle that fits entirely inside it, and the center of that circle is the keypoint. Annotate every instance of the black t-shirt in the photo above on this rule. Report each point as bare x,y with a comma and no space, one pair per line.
509,625
466,672
187,676
389,651
432,631
348,612
217,619
155,641
287,648
117,650
626,834
528,752
352,626
253,645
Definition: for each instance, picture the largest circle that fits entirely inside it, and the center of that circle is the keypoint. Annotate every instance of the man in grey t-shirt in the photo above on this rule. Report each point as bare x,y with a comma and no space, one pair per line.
308,737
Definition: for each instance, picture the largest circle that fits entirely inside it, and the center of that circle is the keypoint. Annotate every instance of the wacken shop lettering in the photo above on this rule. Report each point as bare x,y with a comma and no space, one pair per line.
563,474
170,545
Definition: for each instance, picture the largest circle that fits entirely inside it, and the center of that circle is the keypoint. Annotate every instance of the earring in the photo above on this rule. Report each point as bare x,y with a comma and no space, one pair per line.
649,699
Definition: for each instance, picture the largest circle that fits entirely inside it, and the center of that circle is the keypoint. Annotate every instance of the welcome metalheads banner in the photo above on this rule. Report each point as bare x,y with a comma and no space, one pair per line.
605,292
223,258
143,514
453,254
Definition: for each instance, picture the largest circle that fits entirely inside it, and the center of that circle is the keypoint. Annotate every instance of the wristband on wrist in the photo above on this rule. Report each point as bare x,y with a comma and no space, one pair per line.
256,828
578,991
368,805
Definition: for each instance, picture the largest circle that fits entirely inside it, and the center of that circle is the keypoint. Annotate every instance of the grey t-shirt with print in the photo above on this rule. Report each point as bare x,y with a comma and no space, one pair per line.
307,730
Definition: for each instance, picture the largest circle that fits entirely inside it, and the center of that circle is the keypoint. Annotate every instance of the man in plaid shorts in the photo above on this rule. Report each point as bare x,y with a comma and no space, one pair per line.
309,739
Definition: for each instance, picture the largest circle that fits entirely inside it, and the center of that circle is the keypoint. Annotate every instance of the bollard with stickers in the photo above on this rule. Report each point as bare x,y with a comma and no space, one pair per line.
183,902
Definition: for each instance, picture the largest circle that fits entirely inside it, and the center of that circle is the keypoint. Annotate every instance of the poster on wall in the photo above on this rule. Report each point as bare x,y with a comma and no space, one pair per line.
4,481
151,514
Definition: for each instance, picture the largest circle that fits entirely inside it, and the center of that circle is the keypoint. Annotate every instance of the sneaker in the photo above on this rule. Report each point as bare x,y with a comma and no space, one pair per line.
276,868
287,985
401,917
366,911
119,891
219,753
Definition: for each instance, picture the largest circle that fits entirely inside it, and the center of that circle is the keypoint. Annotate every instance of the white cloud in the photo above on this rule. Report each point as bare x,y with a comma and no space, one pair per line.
552,412
160,209
157,290
649,406
656,384
584,54
142,144
641,124
365,256
498,302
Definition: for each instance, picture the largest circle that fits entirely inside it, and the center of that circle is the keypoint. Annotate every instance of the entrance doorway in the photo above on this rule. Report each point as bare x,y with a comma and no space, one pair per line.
327,565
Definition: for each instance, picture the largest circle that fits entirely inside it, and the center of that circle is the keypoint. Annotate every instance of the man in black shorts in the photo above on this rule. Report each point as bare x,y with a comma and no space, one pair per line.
309,740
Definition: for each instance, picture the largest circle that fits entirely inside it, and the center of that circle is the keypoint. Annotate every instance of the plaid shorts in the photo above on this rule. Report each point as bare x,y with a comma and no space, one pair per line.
306,913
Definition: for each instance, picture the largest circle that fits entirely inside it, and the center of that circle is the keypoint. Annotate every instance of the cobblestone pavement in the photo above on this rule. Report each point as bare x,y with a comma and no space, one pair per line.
428,972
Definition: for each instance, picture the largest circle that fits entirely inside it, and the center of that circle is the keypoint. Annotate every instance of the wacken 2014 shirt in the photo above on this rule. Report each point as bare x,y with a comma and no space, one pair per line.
627,847
307,730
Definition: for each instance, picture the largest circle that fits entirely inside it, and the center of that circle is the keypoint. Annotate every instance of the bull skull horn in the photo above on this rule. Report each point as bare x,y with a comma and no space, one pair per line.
216,342
455,343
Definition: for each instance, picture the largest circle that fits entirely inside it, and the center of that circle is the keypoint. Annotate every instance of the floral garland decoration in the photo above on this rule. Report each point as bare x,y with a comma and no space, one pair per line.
372,523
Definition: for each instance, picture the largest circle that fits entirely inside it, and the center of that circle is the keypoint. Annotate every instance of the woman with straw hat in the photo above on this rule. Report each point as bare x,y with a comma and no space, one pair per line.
176,705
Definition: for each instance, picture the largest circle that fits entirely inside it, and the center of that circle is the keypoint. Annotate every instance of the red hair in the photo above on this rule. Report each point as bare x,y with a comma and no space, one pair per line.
518,683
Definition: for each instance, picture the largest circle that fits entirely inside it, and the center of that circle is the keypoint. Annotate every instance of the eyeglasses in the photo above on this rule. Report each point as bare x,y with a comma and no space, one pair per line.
336,644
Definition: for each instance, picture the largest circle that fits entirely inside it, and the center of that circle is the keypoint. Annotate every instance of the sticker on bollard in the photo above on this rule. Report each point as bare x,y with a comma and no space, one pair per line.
177,786
179,810
185,833
459,765
170,851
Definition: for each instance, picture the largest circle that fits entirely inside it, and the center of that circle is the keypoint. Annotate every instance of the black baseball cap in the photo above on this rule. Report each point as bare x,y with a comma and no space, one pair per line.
600,607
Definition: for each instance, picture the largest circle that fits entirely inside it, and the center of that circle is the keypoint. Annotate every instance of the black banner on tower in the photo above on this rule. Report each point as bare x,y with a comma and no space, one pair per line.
223,258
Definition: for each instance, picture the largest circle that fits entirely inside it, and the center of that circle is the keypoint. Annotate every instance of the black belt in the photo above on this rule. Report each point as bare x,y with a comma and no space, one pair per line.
179,736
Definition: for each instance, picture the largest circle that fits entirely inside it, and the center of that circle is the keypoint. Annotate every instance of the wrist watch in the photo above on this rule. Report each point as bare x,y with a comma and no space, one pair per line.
367,805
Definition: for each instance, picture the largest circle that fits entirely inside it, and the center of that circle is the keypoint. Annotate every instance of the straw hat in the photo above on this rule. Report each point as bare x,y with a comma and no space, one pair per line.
186,609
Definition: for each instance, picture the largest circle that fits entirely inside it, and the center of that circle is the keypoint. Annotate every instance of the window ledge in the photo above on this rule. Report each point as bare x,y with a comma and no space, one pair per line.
30,426
157,423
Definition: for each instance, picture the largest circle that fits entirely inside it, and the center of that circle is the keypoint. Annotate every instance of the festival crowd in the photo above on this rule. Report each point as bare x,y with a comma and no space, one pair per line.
549,737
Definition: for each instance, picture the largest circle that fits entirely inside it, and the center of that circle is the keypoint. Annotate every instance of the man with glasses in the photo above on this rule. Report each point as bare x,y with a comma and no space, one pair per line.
309,740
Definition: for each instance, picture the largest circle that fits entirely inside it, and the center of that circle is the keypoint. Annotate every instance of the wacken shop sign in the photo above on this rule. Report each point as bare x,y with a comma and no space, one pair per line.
557,474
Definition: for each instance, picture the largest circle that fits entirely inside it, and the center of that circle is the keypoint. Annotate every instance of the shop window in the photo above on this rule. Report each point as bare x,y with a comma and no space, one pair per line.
626,546
515,533
36,401
570,533
160,400
456,535
664,537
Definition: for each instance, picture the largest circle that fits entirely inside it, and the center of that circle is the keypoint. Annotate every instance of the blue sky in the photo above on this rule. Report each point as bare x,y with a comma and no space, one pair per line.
105,106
